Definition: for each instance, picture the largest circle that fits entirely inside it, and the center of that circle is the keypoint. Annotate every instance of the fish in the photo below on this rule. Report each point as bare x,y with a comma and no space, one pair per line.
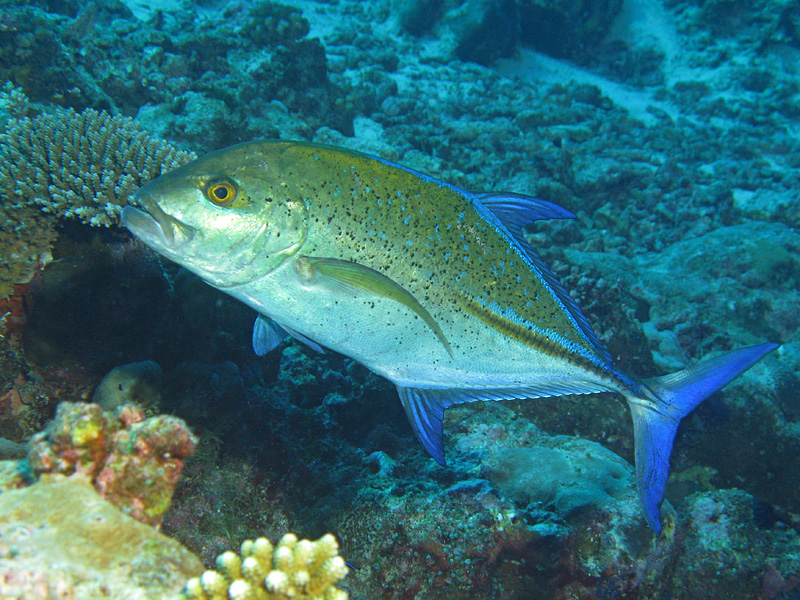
429,285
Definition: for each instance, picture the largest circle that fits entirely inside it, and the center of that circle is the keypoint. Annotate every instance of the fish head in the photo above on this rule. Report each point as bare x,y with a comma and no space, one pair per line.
226,216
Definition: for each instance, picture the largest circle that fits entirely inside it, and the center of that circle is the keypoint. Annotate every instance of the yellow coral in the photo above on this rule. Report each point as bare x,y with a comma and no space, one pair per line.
295,569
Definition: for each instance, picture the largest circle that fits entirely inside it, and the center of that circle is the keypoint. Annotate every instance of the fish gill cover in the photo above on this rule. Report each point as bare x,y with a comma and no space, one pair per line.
669,129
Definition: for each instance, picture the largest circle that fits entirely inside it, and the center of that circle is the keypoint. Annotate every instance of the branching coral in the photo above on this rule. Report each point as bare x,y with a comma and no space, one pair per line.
66,164
82,165
296,569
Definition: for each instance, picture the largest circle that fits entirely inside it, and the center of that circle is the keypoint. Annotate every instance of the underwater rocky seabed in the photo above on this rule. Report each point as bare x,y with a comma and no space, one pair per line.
671,130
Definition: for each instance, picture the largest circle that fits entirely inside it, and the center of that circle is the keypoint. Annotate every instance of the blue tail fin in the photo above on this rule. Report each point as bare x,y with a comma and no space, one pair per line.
655,420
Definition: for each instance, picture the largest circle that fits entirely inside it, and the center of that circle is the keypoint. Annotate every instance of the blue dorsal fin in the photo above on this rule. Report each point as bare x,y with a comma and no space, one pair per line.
425,407
519,210
512,213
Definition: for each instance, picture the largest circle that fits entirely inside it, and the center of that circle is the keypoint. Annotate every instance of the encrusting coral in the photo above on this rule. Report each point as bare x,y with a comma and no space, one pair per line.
296,569
134,462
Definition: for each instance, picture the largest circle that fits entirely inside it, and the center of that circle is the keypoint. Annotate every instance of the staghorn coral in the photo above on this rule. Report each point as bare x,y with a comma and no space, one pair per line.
66,164
82,165
298,569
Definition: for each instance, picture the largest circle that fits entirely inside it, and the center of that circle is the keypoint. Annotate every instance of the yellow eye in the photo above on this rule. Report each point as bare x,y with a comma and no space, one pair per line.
221,192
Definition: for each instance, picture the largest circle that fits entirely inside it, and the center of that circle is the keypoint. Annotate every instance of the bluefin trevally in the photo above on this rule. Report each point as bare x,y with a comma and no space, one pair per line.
431,286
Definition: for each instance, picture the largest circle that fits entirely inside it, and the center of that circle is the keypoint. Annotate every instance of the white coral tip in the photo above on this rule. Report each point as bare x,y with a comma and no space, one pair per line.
276,582
239,590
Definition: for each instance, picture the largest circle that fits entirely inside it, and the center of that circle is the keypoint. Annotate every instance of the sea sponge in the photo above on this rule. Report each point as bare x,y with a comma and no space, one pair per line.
296,569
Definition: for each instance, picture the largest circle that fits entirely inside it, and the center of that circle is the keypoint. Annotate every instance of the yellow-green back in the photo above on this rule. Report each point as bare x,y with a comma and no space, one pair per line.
426,235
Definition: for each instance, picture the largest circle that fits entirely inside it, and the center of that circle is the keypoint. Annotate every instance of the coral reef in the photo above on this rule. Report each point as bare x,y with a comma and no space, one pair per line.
60,539
82,165
134,462
676,147
67,164
301,569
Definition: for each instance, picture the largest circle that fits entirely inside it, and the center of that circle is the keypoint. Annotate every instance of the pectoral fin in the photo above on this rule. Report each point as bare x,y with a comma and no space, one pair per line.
355,278
267,334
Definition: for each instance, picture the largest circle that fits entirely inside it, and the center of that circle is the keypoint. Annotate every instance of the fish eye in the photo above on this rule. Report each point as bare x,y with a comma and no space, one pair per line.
221,191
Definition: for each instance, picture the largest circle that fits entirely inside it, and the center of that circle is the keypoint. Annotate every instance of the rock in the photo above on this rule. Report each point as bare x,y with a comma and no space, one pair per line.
574,474
565,28
59,539
485,29
418,16
729,553
11,449
778,206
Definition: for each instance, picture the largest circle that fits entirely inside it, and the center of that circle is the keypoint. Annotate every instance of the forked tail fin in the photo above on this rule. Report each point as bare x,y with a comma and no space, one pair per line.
656,419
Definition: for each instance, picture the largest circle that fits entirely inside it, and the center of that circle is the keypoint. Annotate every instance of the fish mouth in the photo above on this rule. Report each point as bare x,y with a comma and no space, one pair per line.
155,227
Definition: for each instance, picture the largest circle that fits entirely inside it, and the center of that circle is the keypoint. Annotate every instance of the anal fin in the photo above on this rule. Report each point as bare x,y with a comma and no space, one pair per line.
425,407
